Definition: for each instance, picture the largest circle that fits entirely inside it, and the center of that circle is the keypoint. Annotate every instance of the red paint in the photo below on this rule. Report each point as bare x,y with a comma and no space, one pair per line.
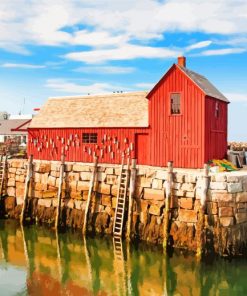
142,148
191,138
65,140
188,139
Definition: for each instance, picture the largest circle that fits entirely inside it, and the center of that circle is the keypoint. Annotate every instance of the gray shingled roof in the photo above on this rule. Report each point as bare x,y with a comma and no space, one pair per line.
205,85
7,125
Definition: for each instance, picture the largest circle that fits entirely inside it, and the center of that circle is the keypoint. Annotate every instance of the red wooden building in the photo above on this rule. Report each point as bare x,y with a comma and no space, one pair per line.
183,118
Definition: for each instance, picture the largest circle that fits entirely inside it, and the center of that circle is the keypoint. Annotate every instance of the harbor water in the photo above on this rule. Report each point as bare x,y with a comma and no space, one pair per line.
35,260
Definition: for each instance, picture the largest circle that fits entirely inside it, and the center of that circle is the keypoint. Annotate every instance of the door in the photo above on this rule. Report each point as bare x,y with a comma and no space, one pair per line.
142,148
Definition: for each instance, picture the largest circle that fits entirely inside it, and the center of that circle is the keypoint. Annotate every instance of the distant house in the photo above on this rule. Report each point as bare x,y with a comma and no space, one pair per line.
183,119
14,129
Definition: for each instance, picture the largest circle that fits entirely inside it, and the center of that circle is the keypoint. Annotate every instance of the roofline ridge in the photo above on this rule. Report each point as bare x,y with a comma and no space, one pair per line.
98,95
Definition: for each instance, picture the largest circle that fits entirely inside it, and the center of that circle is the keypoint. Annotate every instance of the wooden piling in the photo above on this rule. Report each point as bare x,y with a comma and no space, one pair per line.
4,173
27,183
91,187
201,216
131,196
59,194
168,188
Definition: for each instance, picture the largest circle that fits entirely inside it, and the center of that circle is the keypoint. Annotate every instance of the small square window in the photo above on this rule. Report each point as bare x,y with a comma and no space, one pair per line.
175,103
89,138
217,110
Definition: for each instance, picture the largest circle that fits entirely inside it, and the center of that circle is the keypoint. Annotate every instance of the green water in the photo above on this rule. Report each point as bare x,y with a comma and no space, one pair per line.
36,261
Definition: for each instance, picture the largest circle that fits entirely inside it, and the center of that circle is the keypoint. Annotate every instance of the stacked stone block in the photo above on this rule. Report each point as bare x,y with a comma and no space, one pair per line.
226,206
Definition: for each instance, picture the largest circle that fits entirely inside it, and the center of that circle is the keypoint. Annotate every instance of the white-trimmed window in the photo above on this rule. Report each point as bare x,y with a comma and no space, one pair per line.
175,103
90,138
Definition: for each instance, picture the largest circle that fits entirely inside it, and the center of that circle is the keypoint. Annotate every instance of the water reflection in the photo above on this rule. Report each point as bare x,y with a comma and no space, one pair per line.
39,261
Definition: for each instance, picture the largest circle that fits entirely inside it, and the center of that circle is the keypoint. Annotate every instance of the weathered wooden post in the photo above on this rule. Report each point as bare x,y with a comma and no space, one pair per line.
168,187
91,187
4,164
201,216
131,196
59,194
26,191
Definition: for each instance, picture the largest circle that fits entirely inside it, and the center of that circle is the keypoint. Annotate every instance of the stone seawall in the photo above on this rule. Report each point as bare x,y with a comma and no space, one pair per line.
225,230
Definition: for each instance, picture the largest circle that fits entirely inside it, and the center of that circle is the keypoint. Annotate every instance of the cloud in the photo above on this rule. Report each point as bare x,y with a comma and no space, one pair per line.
105,70
107,23
222,51
67,86
126,52
198,45
22,66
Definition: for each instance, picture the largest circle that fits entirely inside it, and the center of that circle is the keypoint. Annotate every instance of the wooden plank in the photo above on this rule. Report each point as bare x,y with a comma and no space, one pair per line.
118,195
59,194
131,196
3,173
201,216
168,199
27,183
91,187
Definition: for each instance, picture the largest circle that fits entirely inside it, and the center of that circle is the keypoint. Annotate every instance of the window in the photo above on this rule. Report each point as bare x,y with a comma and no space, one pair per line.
217,110
175,103
90,138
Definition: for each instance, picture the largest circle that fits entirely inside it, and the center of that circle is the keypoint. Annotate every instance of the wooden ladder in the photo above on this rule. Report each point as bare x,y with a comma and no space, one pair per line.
121,198
3,179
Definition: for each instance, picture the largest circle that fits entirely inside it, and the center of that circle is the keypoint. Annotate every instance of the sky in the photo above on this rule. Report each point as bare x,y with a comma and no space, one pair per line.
75,47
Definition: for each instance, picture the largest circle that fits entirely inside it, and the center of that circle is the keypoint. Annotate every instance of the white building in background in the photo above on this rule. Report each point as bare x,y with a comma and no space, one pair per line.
21,116
14,127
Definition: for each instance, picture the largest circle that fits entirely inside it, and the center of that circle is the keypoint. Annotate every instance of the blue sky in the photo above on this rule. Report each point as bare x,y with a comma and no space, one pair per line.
74,47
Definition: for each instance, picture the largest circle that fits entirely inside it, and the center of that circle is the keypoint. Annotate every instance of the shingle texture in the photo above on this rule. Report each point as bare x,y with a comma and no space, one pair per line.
107,110
206,86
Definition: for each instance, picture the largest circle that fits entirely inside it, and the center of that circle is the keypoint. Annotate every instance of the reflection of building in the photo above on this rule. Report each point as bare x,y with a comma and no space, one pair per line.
14,129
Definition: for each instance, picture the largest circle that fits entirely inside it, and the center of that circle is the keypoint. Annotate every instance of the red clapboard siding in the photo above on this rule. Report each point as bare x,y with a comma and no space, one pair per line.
177,137
216,129
76,149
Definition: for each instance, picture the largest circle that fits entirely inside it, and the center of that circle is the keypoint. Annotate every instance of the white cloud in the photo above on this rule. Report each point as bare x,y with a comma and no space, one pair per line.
113,23
105,70
67,86
222,51
126,52
22,66
198,45
237,97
